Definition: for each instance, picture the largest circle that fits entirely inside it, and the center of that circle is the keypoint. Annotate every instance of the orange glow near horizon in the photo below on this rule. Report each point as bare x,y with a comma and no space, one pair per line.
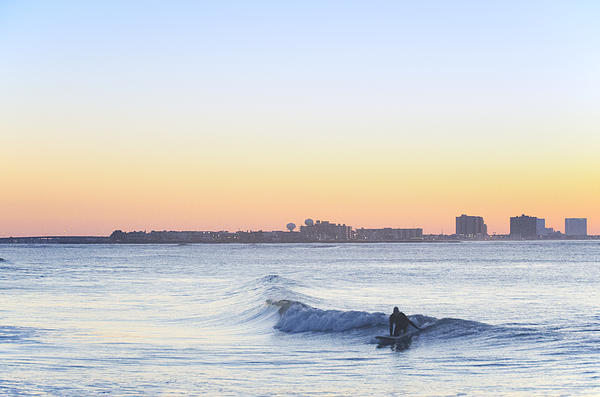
75,195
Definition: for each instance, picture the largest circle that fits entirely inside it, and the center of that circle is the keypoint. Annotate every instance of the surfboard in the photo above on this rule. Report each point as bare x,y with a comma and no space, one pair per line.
389,340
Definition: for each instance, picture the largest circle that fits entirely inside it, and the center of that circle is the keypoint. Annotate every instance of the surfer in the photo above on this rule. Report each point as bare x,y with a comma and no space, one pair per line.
399,321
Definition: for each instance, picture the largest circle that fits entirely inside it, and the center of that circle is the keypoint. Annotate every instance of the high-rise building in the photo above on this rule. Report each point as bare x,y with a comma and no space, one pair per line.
523,227
470,226
541,229
540,226
576,226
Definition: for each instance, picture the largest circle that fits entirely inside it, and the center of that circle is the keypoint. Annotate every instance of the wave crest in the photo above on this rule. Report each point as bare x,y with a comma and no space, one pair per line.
299,317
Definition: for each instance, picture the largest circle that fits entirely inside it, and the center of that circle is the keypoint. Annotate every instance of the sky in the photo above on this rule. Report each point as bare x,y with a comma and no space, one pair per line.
237,115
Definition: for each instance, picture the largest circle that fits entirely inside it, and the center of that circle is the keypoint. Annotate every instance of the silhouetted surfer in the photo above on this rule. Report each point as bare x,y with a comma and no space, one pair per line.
399,321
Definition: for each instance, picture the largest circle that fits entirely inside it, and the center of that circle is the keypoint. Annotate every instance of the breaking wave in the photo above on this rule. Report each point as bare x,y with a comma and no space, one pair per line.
294,315
298,317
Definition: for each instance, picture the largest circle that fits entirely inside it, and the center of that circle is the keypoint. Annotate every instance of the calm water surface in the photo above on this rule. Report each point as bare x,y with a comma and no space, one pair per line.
499,318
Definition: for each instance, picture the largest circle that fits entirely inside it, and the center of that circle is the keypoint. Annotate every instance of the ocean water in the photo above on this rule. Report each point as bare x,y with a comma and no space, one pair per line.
499,318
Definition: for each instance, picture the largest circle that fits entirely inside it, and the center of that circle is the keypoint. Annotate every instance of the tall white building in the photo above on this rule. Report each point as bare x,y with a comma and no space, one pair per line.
576,226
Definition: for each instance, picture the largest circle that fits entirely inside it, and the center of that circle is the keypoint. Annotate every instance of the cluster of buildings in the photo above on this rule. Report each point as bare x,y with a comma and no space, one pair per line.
169,236
522,227
526,227
311,231
468,227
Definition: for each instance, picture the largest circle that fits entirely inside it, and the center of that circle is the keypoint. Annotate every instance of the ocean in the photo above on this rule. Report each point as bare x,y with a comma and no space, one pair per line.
498,318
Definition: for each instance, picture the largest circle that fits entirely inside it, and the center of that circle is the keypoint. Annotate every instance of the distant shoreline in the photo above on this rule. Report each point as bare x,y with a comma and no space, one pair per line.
106,240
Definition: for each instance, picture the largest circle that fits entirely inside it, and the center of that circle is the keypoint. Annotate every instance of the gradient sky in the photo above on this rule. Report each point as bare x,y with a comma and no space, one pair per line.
250,114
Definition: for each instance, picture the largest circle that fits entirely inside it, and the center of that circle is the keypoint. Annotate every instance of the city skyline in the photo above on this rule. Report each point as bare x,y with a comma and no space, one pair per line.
468,227
556,225
243,115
